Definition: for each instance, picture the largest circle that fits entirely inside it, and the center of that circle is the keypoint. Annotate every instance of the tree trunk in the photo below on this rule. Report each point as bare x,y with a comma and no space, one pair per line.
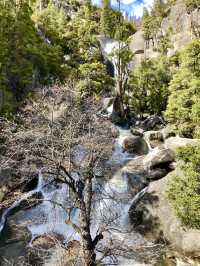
118,113
87,242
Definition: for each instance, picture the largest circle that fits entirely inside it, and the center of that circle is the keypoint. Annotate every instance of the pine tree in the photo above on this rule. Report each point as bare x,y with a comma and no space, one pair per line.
106,23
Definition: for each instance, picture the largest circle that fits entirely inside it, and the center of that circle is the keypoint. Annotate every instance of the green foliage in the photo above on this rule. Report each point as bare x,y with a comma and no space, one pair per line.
94,79
43,40
183,189
52,22
124,31
192,4
106,18
183,103
164,45
149,86
113,25
191,57
151,21
26,59
122,57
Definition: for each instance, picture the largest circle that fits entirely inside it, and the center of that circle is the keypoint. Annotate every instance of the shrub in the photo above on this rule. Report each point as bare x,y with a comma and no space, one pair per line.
191,5
183,104
94,79
149,86
184,189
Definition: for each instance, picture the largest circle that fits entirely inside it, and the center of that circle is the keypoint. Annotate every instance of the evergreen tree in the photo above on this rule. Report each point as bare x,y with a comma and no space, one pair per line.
149,86
106,17
183,103
26,58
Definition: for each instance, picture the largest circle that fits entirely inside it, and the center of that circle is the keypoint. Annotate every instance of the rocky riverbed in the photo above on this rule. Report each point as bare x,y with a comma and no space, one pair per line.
34,229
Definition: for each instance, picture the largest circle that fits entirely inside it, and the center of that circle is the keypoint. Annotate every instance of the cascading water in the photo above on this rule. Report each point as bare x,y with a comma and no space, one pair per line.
111,204
115,199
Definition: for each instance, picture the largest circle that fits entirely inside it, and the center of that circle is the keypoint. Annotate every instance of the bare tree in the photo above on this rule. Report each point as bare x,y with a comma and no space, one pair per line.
50,129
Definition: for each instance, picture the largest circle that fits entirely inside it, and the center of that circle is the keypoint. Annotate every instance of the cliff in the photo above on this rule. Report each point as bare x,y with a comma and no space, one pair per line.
178,26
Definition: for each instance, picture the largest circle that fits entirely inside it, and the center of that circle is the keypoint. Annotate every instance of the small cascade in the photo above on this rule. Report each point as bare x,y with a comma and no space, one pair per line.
119,156
26,196
111,205
53,213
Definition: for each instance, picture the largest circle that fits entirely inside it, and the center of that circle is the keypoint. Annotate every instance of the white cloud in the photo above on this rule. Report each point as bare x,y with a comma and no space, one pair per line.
148,3
134,7
137,8
137,11
127,2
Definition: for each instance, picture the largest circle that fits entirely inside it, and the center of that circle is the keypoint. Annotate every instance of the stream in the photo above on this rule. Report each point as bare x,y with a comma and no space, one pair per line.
113,199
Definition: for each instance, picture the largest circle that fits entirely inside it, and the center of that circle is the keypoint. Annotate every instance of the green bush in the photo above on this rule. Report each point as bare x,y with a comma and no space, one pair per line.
26,59
94,79
183,104
113,24
192,4
184,189
149,86
151,21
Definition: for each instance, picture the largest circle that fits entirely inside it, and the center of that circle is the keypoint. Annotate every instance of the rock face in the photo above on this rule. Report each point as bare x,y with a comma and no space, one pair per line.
168,132
153,122
155,218
115,132
68,256
154,138
158,157
180,26
173,143
13,241
135,144
152,166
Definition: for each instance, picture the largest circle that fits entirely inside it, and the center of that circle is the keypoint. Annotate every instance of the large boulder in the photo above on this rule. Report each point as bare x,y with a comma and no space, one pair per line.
155,218
135,167
42,247
69,255
160,157
136,170
135,144
168,131
158,173
153,122
115,132
154,138
13,241
135,175
46,241
137,132
173,143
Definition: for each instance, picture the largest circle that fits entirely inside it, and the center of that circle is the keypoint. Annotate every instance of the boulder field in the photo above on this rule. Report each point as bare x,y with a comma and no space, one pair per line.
156,219
153,216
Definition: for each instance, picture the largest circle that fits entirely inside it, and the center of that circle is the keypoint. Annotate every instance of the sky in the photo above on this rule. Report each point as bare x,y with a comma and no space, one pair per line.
133,7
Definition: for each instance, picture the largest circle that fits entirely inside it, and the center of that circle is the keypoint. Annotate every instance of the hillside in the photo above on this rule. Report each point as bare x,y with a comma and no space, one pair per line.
178,28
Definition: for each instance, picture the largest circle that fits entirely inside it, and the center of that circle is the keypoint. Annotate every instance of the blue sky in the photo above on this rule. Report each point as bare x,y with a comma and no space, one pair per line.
133,7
